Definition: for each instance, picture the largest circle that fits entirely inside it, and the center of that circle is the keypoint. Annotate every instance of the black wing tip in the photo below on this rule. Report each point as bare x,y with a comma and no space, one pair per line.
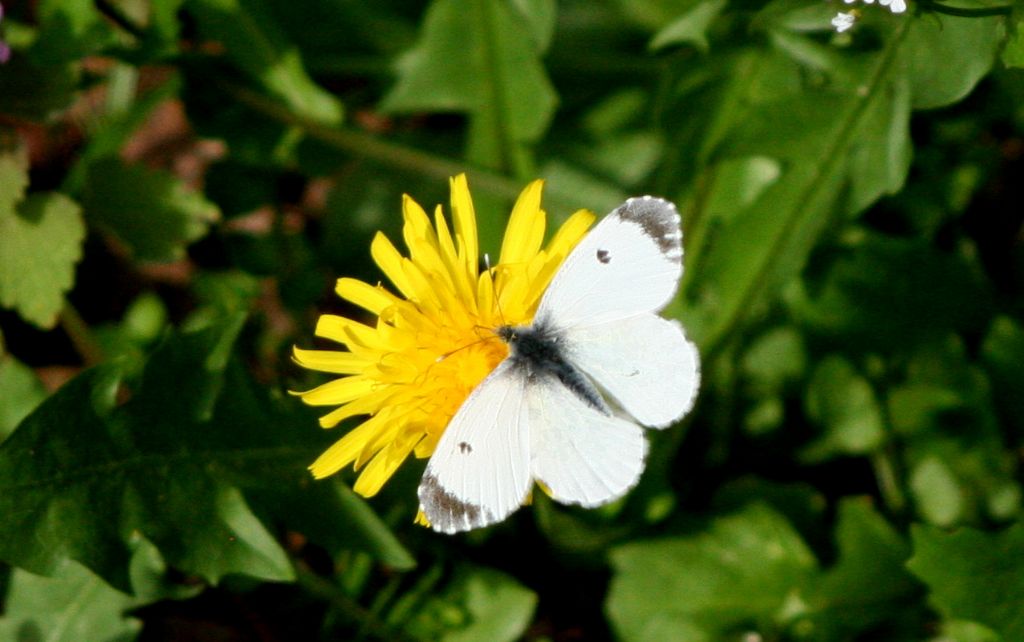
446,512
659,219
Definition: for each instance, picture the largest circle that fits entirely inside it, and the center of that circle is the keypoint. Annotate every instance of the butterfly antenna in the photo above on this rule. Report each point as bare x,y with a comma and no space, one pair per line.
442,357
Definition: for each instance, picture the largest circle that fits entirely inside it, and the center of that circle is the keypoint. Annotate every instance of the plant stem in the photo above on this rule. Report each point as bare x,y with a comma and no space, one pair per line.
81,336
962,12
374,148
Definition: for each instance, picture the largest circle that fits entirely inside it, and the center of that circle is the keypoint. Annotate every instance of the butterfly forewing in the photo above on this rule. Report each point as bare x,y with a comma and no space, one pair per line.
628,264
480,471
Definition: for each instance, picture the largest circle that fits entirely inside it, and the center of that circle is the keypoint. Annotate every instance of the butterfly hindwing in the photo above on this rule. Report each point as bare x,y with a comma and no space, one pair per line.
644,362
480,471
580,455
629,263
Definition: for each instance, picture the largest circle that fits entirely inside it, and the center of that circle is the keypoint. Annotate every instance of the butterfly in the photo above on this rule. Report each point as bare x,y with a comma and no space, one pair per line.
564,408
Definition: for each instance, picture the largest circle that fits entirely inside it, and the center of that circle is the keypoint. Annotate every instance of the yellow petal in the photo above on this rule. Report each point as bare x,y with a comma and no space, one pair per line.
367,405
416,231
372,298
344,451
464,217
384,465
570,234
330,361
342,330
389,260
525,231
338,391
463,279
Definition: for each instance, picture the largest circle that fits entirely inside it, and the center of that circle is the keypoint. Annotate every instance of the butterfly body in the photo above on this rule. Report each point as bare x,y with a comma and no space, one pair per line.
538,351
542,415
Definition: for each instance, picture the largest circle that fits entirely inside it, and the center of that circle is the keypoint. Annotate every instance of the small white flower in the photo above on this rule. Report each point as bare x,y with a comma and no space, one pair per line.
844,21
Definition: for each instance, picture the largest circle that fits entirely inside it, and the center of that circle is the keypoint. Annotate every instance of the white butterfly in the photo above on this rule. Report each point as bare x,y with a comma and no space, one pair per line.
539,416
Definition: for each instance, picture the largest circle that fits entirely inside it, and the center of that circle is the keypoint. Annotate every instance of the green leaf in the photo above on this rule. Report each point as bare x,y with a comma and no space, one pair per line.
1003,356
478,604
541,16
1013,52
741,573
938,71
691,27
973,575
954,448
906,286
36,92
42,241
72,606
81,475
842,401
846,144
868,583
881,151
937,491
151,211
774,359
20,390
69,30
332,515
114,129
478,57
258,46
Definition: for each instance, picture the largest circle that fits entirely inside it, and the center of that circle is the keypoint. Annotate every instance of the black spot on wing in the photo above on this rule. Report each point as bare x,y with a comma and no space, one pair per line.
659,220
465,448
604,256
445,511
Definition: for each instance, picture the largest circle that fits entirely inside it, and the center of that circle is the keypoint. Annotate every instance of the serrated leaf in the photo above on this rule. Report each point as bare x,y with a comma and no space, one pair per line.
152,212
973,575
478,57
82,475
742,570
73,606
13,176
42,242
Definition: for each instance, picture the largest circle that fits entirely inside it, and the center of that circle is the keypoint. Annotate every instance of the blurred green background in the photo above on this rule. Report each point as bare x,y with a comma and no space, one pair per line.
181,181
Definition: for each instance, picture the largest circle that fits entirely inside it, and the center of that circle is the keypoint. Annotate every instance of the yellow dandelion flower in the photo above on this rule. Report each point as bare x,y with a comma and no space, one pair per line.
430,346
